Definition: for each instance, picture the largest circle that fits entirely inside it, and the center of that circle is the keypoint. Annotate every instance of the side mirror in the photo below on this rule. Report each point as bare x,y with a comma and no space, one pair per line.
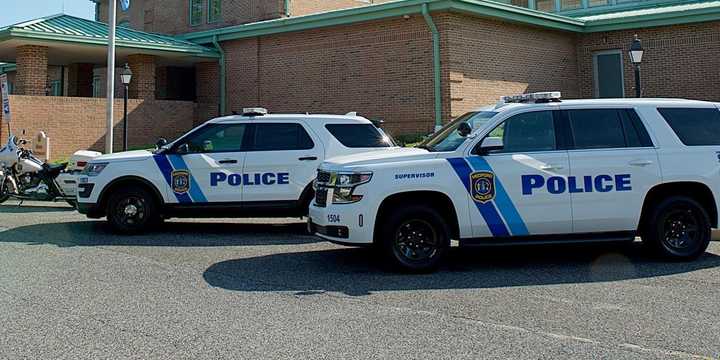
464,129
490,144
183,149
161,142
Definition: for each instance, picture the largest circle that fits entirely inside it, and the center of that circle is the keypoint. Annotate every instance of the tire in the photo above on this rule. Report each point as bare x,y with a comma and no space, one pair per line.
4,195
132,210
414,239
679,229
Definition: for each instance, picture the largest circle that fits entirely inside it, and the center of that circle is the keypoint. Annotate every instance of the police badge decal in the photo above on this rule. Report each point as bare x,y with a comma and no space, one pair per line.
180,181
482,184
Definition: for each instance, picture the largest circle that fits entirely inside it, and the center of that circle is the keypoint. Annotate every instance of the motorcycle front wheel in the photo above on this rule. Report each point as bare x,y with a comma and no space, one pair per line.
4,192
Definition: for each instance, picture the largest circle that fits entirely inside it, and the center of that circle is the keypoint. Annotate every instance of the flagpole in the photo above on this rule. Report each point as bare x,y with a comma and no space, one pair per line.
110,95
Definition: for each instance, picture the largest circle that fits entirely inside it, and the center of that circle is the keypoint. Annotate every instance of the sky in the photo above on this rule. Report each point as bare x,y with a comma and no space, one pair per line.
15,11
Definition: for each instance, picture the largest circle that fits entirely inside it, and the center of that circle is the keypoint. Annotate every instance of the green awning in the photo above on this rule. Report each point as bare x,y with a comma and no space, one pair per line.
79,31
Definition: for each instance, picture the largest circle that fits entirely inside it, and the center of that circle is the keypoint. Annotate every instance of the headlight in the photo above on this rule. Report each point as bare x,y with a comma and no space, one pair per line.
344,184
352,178
94,169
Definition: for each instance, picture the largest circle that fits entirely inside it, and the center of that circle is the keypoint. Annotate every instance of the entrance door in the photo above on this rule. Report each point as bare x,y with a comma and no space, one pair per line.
608,68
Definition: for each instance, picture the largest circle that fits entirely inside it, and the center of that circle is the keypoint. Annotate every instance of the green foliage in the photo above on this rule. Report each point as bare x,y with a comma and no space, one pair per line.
408,140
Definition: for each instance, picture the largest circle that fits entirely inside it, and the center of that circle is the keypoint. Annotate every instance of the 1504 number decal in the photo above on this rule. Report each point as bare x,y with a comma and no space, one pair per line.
333,218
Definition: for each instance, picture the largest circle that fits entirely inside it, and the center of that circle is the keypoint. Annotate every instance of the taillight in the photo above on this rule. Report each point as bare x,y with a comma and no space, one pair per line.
81,164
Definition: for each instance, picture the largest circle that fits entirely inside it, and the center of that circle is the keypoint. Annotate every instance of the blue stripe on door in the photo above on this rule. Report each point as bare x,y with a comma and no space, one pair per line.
166,169
487,210
195,190
502,199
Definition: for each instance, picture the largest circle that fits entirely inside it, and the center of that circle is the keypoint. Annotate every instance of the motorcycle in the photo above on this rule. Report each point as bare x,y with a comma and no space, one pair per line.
24,176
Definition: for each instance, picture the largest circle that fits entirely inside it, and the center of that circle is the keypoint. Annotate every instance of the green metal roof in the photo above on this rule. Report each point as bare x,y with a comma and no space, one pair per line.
634,19
67,28
654,16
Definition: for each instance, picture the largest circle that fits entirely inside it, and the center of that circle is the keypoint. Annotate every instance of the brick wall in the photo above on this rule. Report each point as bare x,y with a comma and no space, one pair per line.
486,59
142,84
679,61
173,16
74,123
135,16
305,7
207,81
32,70
381,69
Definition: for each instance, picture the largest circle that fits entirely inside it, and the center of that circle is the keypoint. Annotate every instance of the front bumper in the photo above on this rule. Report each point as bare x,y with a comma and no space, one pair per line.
92,211
345,224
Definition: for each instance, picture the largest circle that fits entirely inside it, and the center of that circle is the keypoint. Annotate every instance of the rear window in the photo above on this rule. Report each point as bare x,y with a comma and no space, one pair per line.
358,135
694,126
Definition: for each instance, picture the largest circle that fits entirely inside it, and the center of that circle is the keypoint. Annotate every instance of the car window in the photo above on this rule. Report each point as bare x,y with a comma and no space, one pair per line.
596,128
216,138
636,134
448,138
358,135
281,136
694,126
531,131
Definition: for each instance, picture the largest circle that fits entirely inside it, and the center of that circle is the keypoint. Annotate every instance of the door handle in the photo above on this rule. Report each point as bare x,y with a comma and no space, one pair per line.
307,158
641,162
548,167
228,161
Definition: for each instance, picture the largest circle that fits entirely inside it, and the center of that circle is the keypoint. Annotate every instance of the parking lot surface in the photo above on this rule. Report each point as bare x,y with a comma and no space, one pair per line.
264,289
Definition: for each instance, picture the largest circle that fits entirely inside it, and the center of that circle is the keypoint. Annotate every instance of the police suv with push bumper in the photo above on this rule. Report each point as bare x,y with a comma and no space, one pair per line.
255,164
534,169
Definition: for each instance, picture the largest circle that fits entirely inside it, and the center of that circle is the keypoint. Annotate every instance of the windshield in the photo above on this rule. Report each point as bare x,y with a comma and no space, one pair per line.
448,139
359,135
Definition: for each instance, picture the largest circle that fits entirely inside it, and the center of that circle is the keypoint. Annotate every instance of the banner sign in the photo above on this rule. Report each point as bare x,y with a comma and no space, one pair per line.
124,5
5,97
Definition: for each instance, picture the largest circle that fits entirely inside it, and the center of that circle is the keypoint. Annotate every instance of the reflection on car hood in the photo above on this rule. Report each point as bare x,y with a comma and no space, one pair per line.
125,156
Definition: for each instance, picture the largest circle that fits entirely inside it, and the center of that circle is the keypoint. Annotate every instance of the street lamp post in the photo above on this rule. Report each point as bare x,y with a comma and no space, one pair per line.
636,53
125,77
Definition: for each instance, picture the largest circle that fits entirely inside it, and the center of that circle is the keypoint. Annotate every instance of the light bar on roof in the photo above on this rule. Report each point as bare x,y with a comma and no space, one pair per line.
548,96
254,111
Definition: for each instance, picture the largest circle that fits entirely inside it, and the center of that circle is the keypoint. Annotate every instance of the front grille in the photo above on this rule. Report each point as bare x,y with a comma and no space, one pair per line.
321,197
323,177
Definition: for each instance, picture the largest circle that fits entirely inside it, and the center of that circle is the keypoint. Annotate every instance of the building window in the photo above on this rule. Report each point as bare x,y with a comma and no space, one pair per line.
608,71
97,87
55,88
593,3
214,11
11,86
570,4
196,9
545,5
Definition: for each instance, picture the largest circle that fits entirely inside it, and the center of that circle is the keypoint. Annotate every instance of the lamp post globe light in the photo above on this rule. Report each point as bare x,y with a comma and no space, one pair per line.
636,54
125,77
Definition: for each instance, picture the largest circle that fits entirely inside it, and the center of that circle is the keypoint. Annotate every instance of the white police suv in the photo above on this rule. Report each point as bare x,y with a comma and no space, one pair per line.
250,165
534,169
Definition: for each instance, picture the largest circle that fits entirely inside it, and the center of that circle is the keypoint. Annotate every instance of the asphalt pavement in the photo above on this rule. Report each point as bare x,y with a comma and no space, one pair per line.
263,289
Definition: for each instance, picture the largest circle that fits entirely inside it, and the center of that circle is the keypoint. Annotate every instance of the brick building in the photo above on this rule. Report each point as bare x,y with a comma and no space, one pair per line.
412,63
